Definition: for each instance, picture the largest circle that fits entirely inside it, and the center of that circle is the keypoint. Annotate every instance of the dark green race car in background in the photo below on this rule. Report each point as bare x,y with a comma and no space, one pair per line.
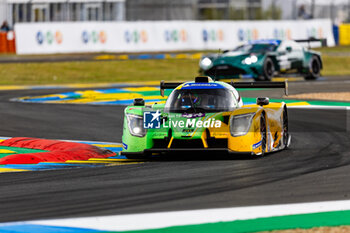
261,60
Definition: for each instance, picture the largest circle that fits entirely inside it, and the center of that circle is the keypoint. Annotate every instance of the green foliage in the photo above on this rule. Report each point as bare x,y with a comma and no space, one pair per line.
271,13
241,13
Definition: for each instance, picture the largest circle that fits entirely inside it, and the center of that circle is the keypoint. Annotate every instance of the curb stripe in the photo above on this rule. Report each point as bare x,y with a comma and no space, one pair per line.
69,164
195,217
125,96
110,85
146,56
3,170
304,221
29,228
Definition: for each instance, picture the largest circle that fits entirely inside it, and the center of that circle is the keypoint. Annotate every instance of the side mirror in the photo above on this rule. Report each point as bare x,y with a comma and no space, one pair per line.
262,101
139,102
289,49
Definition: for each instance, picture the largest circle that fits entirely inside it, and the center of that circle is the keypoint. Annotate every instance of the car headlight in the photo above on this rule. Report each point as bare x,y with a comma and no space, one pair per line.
135,125
240,124
206,63
250,60
247,61
254,58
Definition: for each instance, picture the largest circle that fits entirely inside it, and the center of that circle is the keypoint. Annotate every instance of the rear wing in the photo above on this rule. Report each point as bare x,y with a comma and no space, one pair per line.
323,41
173,85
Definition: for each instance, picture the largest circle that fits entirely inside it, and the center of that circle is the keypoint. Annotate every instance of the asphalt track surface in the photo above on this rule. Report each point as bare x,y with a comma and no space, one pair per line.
315,168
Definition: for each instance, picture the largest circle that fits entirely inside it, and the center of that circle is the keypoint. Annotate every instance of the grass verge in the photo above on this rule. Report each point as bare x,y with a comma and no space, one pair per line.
131,70
336,65
335,49
97,71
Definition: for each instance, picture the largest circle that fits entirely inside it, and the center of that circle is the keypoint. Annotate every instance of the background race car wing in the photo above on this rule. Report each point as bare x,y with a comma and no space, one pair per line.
317,42
261,85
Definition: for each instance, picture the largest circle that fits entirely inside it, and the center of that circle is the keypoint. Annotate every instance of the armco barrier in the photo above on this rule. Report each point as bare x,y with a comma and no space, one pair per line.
7,42
344,34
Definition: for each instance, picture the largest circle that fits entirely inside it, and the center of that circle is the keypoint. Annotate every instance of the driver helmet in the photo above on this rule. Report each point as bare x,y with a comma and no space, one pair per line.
188,99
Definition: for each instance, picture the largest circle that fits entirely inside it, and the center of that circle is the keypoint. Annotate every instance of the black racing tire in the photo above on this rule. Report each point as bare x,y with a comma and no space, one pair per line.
268,70
263,131
314,69
135,156
285,128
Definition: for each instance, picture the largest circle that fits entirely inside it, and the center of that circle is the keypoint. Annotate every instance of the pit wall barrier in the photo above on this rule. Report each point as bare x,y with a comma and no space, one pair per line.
156,36
7,42
344,34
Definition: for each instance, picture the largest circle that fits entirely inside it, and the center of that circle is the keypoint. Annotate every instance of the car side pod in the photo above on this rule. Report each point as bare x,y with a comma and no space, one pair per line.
262,101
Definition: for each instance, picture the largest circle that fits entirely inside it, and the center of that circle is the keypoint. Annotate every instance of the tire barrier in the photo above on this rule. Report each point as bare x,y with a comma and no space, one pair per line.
55,151
7,42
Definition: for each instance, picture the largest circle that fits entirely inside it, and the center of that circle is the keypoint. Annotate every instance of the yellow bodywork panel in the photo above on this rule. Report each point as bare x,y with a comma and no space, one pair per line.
250,141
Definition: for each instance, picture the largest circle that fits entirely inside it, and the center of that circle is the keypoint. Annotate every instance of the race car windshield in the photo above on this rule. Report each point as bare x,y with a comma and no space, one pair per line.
255,48
200,100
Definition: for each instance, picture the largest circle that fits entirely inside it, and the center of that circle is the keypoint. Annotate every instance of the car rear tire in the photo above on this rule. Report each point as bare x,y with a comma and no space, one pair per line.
263,132
314,69
135,155
268,70
285,129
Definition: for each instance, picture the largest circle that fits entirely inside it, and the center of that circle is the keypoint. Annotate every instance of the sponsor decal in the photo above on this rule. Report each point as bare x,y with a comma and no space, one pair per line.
193,115
136,36
49,37
256,145
315,32
202,86
175,35
125,146
151,120
212,35
188,130
282,34
192,123
94,37
248,34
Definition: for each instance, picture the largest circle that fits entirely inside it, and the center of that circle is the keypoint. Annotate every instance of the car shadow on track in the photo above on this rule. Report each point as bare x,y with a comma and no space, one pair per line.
198,157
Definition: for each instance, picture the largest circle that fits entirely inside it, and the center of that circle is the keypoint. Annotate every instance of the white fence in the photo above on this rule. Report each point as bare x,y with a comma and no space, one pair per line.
81,37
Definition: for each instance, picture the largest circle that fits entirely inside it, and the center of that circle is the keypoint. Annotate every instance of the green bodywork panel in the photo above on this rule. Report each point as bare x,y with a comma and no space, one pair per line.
169,128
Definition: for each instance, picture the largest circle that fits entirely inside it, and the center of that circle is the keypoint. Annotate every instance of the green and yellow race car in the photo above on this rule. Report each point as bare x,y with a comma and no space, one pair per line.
206,116
263,59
